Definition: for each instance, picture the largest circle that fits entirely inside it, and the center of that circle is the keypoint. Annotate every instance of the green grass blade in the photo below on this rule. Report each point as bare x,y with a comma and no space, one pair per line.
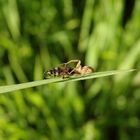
10,88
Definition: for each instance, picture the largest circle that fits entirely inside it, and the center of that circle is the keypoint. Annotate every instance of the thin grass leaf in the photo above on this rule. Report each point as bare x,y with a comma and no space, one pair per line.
10,88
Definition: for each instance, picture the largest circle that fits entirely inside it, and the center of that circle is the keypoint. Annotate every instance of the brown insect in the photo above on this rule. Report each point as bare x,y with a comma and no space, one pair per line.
64,70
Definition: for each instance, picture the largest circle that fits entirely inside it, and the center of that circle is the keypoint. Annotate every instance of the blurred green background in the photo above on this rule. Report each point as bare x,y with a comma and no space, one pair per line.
38,35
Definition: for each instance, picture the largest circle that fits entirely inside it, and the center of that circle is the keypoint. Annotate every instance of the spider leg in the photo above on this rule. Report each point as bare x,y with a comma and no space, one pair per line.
73,61
77,66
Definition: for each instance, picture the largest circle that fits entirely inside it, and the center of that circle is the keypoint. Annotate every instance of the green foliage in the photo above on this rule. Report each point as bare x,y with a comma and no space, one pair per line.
14,87
37,35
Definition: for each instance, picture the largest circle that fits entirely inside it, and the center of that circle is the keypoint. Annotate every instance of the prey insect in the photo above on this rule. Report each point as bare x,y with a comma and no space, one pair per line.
64,70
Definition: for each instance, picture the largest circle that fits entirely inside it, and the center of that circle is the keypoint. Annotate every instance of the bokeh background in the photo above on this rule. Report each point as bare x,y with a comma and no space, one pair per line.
40,34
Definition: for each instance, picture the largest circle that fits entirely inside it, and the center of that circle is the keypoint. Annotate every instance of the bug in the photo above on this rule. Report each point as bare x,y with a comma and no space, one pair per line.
64,70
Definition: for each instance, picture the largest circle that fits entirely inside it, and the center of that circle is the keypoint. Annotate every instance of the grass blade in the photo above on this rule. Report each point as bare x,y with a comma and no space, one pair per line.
10,88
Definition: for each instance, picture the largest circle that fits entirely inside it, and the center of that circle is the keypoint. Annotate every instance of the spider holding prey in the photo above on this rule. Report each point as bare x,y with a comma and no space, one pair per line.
65,71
